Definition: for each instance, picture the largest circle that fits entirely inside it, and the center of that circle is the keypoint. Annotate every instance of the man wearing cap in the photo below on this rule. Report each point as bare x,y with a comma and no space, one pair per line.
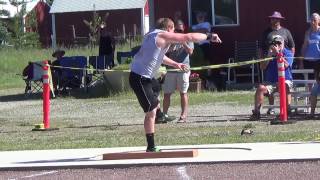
268,35
271,75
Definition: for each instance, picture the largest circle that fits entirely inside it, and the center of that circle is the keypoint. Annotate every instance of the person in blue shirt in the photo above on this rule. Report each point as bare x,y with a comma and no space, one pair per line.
311,46
270,85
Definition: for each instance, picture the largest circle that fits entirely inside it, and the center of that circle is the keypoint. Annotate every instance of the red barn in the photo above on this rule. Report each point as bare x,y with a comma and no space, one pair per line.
41,10
124,16
239,20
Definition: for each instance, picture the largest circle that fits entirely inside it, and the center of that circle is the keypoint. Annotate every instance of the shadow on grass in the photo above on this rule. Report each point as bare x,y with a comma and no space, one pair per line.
246,117
108,127
97,91
20,97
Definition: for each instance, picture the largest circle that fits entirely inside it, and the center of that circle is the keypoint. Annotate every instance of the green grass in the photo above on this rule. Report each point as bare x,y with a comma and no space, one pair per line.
87,132
168,134
80,132
13,61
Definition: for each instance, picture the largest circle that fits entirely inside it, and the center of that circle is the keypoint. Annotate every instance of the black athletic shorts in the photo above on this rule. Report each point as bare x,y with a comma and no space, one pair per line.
147,91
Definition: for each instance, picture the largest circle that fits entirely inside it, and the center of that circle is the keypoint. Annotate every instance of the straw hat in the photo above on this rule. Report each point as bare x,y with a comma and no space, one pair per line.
58,52
276,15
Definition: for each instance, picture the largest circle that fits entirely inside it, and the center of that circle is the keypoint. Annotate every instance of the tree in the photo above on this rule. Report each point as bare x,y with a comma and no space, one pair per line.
4,34
94,26
21,38
4,12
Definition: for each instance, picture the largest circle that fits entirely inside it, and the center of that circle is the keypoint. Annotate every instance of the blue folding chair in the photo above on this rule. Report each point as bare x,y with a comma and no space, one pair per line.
98,64
101,62
73,73
122,57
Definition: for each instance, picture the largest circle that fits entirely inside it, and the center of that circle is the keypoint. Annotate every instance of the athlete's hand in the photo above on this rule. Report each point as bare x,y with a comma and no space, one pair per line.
215,38
183,67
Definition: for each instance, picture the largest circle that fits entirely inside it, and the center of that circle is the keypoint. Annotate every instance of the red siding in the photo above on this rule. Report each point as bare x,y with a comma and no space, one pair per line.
44,22
167,8
253,21
116,19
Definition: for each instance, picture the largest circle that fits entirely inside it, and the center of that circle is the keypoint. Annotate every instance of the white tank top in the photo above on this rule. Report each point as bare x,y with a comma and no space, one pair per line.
150,57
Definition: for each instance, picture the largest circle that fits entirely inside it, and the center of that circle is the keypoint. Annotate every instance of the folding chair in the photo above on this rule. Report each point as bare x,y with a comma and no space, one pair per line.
98,64
73,73
122,57
32,76
244,51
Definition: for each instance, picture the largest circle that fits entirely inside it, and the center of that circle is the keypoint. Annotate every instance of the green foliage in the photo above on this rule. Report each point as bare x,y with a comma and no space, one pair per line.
122,67
4,34
248,126
32,21
94,26
21,39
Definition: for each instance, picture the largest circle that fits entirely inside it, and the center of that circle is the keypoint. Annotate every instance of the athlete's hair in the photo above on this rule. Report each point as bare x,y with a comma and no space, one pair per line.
164,24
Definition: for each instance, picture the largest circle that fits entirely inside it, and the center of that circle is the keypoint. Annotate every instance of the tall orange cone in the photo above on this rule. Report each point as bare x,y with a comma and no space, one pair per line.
46,100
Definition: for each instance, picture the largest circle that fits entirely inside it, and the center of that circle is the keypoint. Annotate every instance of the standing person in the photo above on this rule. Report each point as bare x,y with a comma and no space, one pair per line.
311,45
147,62
57,71
315,91
276,29
271,78
178,52
311,53
267,37
106,45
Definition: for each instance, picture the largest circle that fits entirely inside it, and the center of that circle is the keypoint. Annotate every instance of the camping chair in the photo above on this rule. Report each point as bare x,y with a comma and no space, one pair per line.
98,64
72,78
122,57
32,75
244,51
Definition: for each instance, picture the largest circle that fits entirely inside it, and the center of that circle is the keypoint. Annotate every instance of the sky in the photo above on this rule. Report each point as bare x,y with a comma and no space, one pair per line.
13,10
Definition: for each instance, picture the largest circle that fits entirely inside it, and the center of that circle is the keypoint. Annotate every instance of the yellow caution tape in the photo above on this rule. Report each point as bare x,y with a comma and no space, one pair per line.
50,81
242,63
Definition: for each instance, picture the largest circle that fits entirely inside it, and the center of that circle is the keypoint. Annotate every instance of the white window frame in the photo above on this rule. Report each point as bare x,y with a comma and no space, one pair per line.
213,13
308,13
308,10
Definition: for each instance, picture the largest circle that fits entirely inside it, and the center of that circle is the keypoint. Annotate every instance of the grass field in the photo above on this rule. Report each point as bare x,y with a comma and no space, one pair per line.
115,120
13,61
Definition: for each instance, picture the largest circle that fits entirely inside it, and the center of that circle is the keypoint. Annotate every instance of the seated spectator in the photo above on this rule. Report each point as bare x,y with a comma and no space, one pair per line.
56,71
27,75
203,27
271,75
315,90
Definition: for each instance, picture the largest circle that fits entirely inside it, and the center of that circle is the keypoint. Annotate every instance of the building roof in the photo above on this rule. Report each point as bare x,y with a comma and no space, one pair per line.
62,6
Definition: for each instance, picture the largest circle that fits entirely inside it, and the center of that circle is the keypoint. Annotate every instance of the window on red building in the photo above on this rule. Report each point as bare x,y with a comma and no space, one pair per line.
312,7
225,12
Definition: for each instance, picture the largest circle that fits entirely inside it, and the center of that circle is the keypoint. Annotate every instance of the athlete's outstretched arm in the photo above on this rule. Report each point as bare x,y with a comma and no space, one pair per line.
166,38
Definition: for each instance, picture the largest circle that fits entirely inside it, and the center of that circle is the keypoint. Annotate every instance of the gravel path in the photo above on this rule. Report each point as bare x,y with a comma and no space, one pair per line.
99,110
